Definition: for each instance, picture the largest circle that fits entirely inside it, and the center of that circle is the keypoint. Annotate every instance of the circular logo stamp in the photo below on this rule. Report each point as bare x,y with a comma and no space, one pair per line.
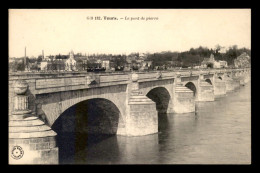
17,152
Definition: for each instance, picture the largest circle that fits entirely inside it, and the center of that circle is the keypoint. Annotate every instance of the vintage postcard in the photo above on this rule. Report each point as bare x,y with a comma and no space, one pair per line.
129,86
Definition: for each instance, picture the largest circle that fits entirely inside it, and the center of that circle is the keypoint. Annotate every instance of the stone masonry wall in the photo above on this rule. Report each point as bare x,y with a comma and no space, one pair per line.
184,102
44,150
206,93
142,120
219,87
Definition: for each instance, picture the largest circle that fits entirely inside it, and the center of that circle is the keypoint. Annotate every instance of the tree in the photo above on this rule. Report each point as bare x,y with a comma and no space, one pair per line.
39,59
231,54
20,67
13,66
218,48
34,66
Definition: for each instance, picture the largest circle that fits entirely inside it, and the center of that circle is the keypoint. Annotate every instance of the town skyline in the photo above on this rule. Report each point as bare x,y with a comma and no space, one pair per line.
97,53
59,31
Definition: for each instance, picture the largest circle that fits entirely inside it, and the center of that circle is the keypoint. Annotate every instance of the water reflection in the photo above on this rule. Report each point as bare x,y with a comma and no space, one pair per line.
138,150
99,149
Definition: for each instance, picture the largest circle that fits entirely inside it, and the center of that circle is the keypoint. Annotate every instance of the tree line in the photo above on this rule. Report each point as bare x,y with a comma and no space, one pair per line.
195,56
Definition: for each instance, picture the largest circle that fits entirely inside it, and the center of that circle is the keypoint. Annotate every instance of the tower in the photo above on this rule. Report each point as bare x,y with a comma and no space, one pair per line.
71,54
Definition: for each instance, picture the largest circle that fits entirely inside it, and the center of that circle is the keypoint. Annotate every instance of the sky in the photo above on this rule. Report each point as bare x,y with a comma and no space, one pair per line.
58,31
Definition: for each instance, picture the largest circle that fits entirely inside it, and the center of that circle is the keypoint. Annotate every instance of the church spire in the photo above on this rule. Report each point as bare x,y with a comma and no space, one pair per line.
71,54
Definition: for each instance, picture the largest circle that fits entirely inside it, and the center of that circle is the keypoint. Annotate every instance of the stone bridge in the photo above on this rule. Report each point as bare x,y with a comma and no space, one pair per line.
44,105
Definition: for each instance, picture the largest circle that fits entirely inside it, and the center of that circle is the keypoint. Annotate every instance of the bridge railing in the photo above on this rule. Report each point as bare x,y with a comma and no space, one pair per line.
101,72
143,74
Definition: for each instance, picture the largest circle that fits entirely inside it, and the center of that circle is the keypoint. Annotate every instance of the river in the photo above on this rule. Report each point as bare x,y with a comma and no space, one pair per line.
218,132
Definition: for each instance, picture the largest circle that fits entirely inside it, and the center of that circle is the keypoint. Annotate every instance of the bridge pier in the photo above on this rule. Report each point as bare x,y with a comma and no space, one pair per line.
30,140
247,76
170,108
236,83
236,79
205,90
142,117
184,98
229,83
242,82
242,79
219,86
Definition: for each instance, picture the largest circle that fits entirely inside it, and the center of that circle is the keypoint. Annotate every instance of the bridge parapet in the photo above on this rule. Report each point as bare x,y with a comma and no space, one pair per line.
159,75
56,82
36,75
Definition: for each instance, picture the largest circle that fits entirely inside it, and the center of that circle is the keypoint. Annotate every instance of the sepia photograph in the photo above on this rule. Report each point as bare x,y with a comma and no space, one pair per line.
129,86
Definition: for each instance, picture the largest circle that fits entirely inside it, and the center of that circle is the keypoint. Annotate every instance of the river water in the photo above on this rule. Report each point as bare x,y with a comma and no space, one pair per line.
218,132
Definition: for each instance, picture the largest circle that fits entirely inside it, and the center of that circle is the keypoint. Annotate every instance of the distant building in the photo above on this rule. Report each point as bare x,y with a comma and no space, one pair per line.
216,64
208,62
128,64
58,64
147,63
105,64
81,62
223,64
98,61
211,63
70,63
44,65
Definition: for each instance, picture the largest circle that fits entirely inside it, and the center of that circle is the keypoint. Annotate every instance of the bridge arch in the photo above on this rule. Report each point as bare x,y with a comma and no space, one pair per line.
210,65
162,97
52,105
84,124
192,87
209,81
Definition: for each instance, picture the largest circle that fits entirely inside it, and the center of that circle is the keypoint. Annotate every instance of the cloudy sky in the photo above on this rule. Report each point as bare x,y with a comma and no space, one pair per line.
59,31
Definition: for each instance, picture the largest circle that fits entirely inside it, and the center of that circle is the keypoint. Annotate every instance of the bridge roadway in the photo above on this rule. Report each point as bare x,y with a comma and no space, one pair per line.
38,100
